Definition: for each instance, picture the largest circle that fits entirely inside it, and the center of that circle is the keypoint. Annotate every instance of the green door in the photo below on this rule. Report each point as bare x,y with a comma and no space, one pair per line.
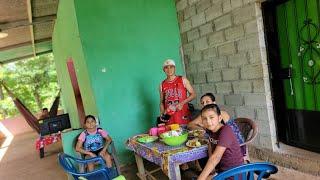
297,24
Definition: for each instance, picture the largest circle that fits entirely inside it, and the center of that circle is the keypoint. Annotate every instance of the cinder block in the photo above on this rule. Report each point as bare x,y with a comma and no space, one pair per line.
252,71
203,5
198,19
223,87
251,27
193,1
226,6
237,60
204,66
236,3
234,32
227,49
220,99
242,86
192,68
209,53
219,63
188,48
262,114
213,12
255,100
245,112
216,38
258,86
182,4
222,22
199,78
234,100
230,74
206,29
185,26
192,35
214,76
201,44
189,11
244,14
255,56
196,56
207,88
249,43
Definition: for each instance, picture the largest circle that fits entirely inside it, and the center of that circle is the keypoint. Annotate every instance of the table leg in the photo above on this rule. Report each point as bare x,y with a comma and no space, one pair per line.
141,174
41,152
174,171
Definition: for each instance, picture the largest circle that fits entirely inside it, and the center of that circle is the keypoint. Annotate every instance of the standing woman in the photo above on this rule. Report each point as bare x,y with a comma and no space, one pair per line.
227,153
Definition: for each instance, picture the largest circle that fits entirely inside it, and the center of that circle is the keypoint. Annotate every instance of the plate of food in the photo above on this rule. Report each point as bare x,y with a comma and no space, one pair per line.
147,139
197,133
195,143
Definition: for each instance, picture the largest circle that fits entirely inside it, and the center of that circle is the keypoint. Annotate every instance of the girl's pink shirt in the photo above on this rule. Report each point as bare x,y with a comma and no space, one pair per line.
103,133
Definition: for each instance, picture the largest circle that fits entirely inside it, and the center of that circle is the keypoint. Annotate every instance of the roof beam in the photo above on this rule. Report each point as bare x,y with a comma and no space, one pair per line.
31,26
25,22
24,57
24,44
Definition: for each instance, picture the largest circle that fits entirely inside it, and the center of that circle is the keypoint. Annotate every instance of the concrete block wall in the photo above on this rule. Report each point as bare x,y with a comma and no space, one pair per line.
224,53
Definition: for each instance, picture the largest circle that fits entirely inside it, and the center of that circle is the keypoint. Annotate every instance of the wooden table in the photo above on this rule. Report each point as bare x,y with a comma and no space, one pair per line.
167,157
43,141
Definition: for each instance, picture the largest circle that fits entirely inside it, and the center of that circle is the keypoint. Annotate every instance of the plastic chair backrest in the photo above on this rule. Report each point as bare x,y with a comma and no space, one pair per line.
247,171
70,163
248,129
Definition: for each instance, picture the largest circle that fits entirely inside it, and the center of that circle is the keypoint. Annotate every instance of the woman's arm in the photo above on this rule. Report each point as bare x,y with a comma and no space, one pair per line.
196,123
212,162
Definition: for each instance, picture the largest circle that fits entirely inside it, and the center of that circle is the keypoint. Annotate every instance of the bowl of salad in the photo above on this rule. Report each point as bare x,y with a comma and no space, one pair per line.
174,137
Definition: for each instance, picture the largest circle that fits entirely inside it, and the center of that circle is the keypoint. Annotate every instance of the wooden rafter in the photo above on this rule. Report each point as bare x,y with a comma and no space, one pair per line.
31,26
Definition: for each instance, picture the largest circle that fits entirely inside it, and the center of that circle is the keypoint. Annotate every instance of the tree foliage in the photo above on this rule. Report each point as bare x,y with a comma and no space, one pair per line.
33,81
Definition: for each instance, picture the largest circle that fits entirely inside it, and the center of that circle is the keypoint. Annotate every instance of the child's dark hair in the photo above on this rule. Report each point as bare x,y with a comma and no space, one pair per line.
89,116
44,109
209,95
213,107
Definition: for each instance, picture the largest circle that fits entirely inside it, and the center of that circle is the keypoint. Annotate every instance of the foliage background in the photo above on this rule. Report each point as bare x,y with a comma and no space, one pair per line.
33,81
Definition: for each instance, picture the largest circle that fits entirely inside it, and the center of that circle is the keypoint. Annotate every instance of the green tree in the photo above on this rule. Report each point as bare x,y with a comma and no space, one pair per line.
33,81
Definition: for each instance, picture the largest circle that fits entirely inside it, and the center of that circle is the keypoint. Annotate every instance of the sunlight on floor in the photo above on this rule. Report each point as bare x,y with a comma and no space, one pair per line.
8,139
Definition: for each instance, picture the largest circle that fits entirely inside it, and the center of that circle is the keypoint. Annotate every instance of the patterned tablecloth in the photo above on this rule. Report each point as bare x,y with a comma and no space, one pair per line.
43,141
166,156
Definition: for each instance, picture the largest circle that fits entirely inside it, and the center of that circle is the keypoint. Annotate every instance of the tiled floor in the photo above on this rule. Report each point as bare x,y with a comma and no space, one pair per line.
21,161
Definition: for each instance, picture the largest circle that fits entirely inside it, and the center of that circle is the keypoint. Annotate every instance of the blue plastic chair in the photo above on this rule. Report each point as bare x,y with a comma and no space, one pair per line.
70,164
247,171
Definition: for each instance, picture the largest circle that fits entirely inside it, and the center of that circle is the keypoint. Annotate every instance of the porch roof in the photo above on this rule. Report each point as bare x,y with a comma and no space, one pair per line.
28,25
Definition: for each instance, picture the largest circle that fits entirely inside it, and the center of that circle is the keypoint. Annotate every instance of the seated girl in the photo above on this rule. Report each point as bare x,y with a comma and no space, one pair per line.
93,142
227,153
209,98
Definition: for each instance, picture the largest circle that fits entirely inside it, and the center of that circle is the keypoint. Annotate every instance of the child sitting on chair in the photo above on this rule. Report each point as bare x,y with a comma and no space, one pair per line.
227,153
94,141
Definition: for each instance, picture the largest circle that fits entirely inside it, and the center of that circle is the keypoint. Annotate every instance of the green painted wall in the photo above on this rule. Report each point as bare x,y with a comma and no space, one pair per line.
129,40
67,44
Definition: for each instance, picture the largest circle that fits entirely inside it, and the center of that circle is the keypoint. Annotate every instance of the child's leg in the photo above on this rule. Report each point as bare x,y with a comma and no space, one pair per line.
108,159
90,167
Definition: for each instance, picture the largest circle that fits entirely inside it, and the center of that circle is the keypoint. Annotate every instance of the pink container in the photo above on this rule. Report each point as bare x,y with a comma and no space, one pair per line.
153,131
161,129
